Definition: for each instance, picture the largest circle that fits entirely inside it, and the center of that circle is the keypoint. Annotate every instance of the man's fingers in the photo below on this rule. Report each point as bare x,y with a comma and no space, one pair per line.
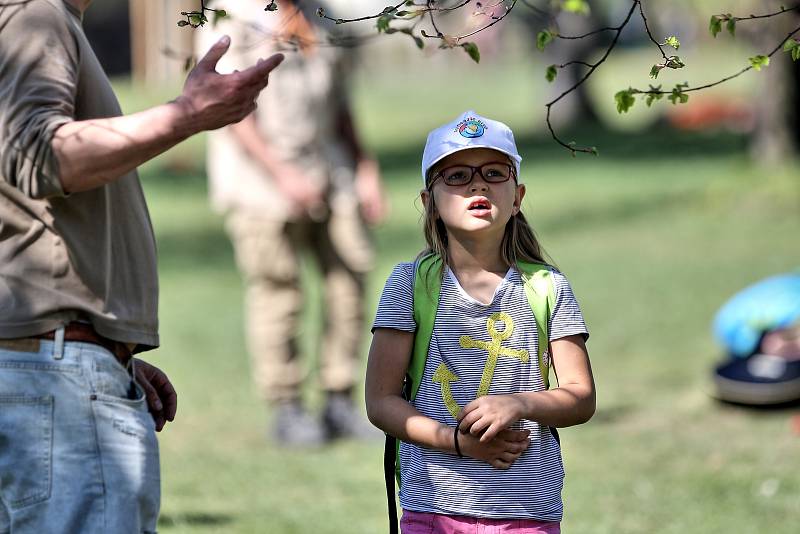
168,396
151,394
258,74
217,50
159,383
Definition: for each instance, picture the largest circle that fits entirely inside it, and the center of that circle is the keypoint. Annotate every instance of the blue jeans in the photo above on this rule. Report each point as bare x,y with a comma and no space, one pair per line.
78,450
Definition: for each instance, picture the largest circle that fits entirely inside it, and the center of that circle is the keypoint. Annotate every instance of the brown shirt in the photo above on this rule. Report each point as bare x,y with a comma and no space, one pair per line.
298,114
86,256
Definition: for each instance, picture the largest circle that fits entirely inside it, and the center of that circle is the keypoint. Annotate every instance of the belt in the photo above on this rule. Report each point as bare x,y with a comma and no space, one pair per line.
86,333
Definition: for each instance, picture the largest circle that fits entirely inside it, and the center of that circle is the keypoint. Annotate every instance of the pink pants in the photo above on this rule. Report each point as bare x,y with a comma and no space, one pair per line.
425,523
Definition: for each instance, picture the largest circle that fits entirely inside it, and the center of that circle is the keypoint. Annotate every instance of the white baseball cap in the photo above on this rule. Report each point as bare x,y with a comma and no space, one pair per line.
469,130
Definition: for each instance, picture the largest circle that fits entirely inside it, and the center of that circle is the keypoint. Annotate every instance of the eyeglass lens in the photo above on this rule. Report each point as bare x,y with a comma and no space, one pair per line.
464,174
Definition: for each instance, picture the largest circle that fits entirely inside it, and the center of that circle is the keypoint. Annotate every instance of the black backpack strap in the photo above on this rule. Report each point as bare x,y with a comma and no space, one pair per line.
389,456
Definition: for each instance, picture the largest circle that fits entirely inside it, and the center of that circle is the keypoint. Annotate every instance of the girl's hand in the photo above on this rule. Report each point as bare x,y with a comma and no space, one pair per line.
499,452
488,415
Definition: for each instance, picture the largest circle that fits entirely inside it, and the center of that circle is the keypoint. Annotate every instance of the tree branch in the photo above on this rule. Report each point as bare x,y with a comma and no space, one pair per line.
592,67
727,78
650,34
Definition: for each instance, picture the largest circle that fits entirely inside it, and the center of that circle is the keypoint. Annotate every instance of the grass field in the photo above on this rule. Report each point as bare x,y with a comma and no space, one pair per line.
655,235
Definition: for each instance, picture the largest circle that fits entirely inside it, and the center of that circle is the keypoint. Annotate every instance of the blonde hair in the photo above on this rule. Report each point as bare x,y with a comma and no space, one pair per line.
519,243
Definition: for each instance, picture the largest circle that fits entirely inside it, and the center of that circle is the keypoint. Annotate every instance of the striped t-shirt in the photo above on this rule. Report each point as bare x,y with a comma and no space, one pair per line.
437,482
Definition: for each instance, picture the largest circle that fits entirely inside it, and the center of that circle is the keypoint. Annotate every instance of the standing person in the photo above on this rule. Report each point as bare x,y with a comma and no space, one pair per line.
78,281
479,449
304,186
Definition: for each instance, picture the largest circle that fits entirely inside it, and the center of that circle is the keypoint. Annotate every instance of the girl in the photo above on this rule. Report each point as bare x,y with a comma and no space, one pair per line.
478,452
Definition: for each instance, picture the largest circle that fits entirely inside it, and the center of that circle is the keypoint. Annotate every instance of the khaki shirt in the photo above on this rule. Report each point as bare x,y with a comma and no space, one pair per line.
297,114
87,256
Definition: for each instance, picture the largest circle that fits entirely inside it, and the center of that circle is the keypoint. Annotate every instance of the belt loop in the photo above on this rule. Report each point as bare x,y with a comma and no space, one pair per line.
58,344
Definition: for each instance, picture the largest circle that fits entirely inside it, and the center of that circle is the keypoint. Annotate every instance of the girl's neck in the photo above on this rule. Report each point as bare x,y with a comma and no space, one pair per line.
474,256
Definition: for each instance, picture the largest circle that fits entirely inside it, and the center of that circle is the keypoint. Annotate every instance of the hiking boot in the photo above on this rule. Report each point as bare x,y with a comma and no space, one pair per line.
341,419
294,426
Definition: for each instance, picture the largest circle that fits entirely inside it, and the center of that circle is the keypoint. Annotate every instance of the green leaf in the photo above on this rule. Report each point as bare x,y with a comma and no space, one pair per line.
182,23
543,38
796,53
273,6
581,7
655,70
197,19
715,25
551,73
790,44
383,23
219,14
625,100
593,151
731,26
673,42
472,50
652,97
678,96
674,62
757,62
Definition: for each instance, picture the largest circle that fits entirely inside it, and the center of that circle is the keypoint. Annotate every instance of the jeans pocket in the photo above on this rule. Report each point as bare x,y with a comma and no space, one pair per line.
26,449
110,379
126,441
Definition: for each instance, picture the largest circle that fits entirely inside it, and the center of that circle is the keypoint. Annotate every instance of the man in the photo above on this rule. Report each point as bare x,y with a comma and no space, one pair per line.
304,188
78,284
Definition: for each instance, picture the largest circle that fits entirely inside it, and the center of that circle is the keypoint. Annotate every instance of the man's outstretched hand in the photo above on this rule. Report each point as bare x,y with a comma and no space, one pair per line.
212,100
161,397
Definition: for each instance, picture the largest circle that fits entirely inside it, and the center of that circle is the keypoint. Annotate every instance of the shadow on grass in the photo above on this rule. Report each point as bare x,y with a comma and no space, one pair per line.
660,143
196,519
625,211
791,406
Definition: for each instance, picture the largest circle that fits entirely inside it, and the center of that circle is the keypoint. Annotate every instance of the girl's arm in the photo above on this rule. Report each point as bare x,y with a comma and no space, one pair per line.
571,403
389,356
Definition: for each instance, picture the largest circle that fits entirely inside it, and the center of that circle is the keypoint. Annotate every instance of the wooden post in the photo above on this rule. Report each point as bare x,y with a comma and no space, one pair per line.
158,45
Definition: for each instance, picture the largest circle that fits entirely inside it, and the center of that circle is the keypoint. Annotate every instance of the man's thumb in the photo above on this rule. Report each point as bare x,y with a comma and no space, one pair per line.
217,50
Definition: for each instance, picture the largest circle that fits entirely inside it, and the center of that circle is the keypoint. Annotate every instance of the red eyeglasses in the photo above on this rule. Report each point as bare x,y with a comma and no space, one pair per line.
493,173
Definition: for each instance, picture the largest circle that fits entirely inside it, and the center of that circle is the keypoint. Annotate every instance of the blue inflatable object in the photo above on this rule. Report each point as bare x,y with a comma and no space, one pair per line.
769,304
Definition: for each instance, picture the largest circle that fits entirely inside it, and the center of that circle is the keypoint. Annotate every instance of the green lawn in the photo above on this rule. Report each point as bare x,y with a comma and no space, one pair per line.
655,234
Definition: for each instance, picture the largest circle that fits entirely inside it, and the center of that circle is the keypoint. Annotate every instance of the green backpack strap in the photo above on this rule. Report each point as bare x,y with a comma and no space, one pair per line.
427,286
540,290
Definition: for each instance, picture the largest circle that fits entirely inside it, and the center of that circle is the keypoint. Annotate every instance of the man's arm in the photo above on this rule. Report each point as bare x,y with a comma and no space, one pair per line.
94,152
290,180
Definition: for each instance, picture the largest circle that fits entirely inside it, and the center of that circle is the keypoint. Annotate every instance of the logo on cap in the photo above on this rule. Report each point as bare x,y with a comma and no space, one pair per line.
471,128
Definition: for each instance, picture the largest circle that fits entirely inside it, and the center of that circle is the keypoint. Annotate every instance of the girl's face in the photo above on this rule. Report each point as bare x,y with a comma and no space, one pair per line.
479,207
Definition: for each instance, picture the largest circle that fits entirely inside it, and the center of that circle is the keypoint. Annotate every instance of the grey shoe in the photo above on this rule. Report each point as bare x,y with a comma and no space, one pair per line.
341,419
295,427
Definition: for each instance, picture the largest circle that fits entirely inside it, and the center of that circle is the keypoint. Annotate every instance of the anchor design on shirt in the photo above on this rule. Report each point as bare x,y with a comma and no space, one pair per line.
495,350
